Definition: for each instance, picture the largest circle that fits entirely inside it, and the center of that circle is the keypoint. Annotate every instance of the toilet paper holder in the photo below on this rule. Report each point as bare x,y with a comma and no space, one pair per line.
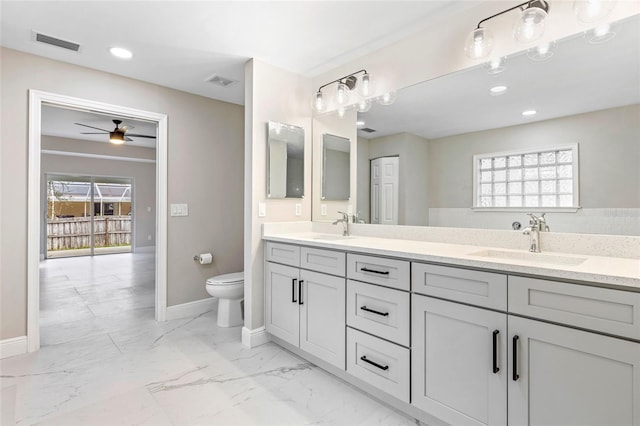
203,258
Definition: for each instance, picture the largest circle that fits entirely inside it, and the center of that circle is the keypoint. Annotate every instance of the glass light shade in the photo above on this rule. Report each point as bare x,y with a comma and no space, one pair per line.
363,105
541,52
496,65
388,98
478,44
116,138
600,34
318,102
591,11
366,86
530,25
342,94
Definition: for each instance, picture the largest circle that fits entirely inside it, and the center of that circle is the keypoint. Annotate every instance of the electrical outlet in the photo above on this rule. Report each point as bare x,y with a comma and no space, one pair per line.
323,209
179,210
262,209
149,237
298,209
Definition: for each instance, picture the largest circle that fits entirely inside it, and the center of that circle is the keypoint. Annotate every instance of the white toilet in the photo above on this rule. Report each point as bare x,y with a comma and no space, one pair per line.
229,289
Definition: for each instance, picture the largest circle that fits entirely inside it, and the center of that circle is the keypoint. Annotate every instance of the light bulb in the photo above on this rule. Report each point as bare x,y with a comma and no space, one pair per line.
363,105
318,102
479,43
388,98
342,94
366,86
590,11
530,26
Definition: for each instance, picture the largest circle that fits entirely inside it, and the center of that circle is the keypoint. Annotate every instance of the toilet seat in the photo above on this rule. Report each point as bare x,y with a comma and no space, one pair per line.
226,279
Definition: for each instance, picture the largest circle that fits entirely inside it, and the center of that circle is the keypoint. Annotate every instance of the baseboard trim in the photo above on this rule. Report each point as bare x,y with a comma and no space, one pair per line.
12,347
256,337
145,249
191,309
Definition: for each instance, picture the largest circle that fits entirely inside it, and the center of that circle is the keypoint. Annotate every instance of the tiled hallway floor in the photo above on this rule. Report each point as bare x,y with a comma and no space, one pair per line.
105,361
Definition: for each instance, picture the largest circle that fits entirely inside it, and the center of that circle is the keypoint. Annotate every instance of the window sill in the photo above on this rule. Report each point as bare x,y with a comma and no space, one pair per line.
527,210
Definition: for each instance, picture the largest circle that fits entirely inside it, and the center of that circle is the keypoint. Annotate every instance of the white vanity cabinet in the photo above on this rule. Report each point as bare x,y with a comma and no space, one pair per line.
307,308
459,352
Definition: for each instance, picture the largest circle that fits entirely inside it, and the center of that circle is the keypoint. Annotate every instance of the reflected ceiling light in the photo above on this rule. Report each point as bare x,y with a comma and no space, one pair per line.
529,113
341,112
541,52
600,34
529,27
121,52
496,65
497,90
363,105
345,86
388,98
591,11
359,123
116,138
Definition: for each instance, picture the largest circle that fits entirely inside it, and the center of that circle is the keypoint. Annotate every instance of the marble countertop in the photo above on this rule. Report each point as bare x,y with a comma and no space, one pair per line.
613,272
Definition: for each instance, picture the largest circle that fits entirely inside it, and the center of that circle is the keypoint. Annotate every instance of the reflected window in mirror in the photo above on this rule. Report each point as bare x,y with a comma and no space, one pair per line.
336,167
285,161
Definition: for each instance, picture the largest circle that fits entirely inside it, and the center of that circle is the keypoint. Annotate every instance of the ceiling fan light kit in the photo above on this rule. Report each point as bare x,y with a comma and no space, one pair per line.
117,136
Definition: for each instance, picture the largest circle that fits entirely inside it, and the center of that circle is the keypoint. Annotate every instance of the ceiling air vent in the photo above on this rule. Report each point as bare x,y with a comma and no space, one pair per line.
42,38
221,81
367,129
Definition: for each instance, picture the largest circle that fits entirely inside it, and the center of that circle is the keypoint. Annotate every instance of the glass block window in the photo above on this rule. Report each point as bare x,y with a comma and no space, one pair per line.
547,178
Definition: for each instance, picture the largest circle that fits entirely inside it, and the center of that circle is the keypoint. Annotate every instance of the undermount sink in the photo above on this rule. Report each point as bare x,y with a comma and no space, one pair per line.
530,257
331,237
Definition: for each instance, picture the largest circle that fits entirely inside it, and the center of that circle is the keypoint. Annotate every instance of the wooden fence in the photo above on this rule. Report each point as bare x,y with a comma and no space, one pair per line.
74,232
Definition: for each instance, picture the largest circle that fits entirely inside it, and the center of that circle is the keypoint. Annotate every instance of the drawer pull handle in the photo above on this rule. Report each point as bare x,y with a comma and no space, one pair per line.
516,376
495,351
374,271
293,290
375,364
384,314
300,292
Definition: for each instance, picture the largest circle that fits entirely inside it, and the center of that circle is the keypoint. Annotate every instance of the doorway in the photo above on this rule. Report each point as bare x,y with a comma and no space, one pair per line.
88,215
385,178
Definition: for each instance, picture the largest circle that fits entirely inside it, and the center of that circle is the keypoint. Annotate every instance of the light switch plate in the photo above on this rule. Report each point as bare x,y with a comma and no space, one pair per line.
179,210
298,209
323,209
262,209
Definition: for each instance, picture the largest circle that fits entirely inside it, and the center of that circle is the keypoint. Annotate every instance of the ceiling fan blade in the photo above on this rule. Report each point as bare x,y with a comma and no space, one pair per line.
126,127
97,128
128,139
140,136
90,133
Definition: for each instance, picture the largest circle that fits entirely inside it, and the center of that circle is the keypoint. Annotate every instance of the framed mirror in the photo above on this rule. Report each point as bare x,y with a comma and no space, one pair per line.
336,169
285,161
583,91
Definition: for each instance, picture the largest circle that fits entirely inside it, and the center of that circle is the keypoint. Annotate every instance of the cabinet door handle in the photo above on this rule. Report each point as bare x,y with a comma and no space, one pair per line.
300,292
495,351
516,376
374,271
384,314
375,364
293,290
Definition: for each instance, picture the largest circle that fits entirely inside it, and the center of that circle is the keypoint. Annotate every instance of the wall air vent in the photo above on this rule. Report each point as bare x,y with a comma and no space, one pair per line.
221,81
367,130
42,38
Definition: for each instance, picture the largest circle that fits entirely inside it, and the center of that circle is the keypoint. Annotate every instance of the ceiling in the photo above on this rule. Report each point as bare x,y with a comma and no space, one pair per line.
579,77
180,44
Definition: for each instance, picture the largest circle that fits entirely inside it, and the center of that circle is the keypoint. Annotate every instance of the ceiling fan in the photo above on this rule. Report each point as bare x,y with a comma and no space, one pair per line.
118,135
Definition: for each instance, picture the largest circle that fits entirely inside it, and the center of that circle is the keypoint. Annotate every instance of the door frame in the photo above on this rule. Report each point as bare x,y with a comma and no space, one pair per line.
36,99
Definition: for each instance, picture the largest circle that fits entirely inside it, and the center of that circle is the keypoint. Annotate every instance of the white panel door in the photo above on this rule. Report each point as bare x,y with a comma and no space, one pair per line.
563,376
375,190
322,316
385,177
459,364
281,302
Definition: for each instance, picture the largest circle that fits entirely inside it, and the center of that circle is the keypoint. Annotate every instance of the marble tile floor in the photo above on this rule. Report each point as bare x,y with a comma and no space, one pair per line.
121,367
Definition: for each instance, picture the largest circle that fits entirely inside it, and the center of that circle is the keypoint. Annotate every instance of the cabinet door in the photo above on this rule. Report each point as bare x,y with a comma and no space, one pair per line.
571,377
322,317
281,302
453,374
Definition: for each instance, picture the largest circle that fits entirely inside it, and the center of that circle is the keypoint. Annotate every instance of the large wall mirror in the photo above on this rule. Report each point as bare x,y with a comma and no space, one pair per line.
336,167
584,91
285,162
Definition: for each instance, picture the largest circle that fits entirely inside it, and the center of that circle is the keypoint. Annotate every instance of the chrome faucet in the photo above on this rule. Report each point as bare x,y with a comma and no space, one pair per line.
537,224
345,223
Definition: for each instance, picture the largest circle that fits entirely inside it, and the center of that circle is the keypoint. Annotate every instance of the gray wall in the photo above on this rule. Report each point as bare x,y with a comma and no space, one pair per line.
205,161
143,174
609,150
363,204
336,172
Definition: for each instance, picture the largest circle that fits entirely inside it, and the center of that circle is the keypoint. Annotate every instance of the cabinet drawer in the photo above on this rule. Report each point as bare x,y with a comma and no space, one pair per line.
381,311
286,254
484,289
379,270
379,363
327,261
601,309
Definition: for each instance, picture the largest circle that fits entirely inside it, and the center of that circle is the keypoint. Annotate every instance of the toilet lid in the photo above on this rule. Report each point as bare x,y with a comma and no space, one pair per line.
226,279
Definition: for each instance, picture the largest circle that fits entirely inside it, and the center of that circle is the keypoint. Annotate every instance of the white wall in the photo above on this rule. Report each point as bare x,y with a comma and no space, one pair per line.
277,95
205,162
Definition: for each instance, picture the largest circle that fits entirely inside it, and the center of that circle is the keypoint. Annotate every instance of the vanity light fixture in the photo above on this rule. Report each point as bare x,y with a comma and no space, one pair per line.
528,28
497,90
121,52
529,113
343,92
363,105
388,98
592,11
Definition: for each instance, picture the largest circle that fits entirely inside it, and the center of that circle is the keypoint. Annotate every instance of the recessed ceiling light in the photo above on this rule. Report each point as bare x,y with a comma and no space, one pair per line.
120,52
359,123
497,90
529,113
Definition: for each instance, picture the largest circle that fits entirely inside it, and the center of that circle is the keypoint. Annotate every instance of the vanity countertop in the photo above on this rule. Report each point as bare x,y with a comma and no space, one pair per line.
613,272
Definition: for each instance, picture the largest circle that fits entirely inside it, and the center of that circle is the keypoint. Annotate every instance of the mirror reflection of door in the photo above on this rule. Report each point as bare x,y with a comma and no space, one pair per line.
88,216
385,176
